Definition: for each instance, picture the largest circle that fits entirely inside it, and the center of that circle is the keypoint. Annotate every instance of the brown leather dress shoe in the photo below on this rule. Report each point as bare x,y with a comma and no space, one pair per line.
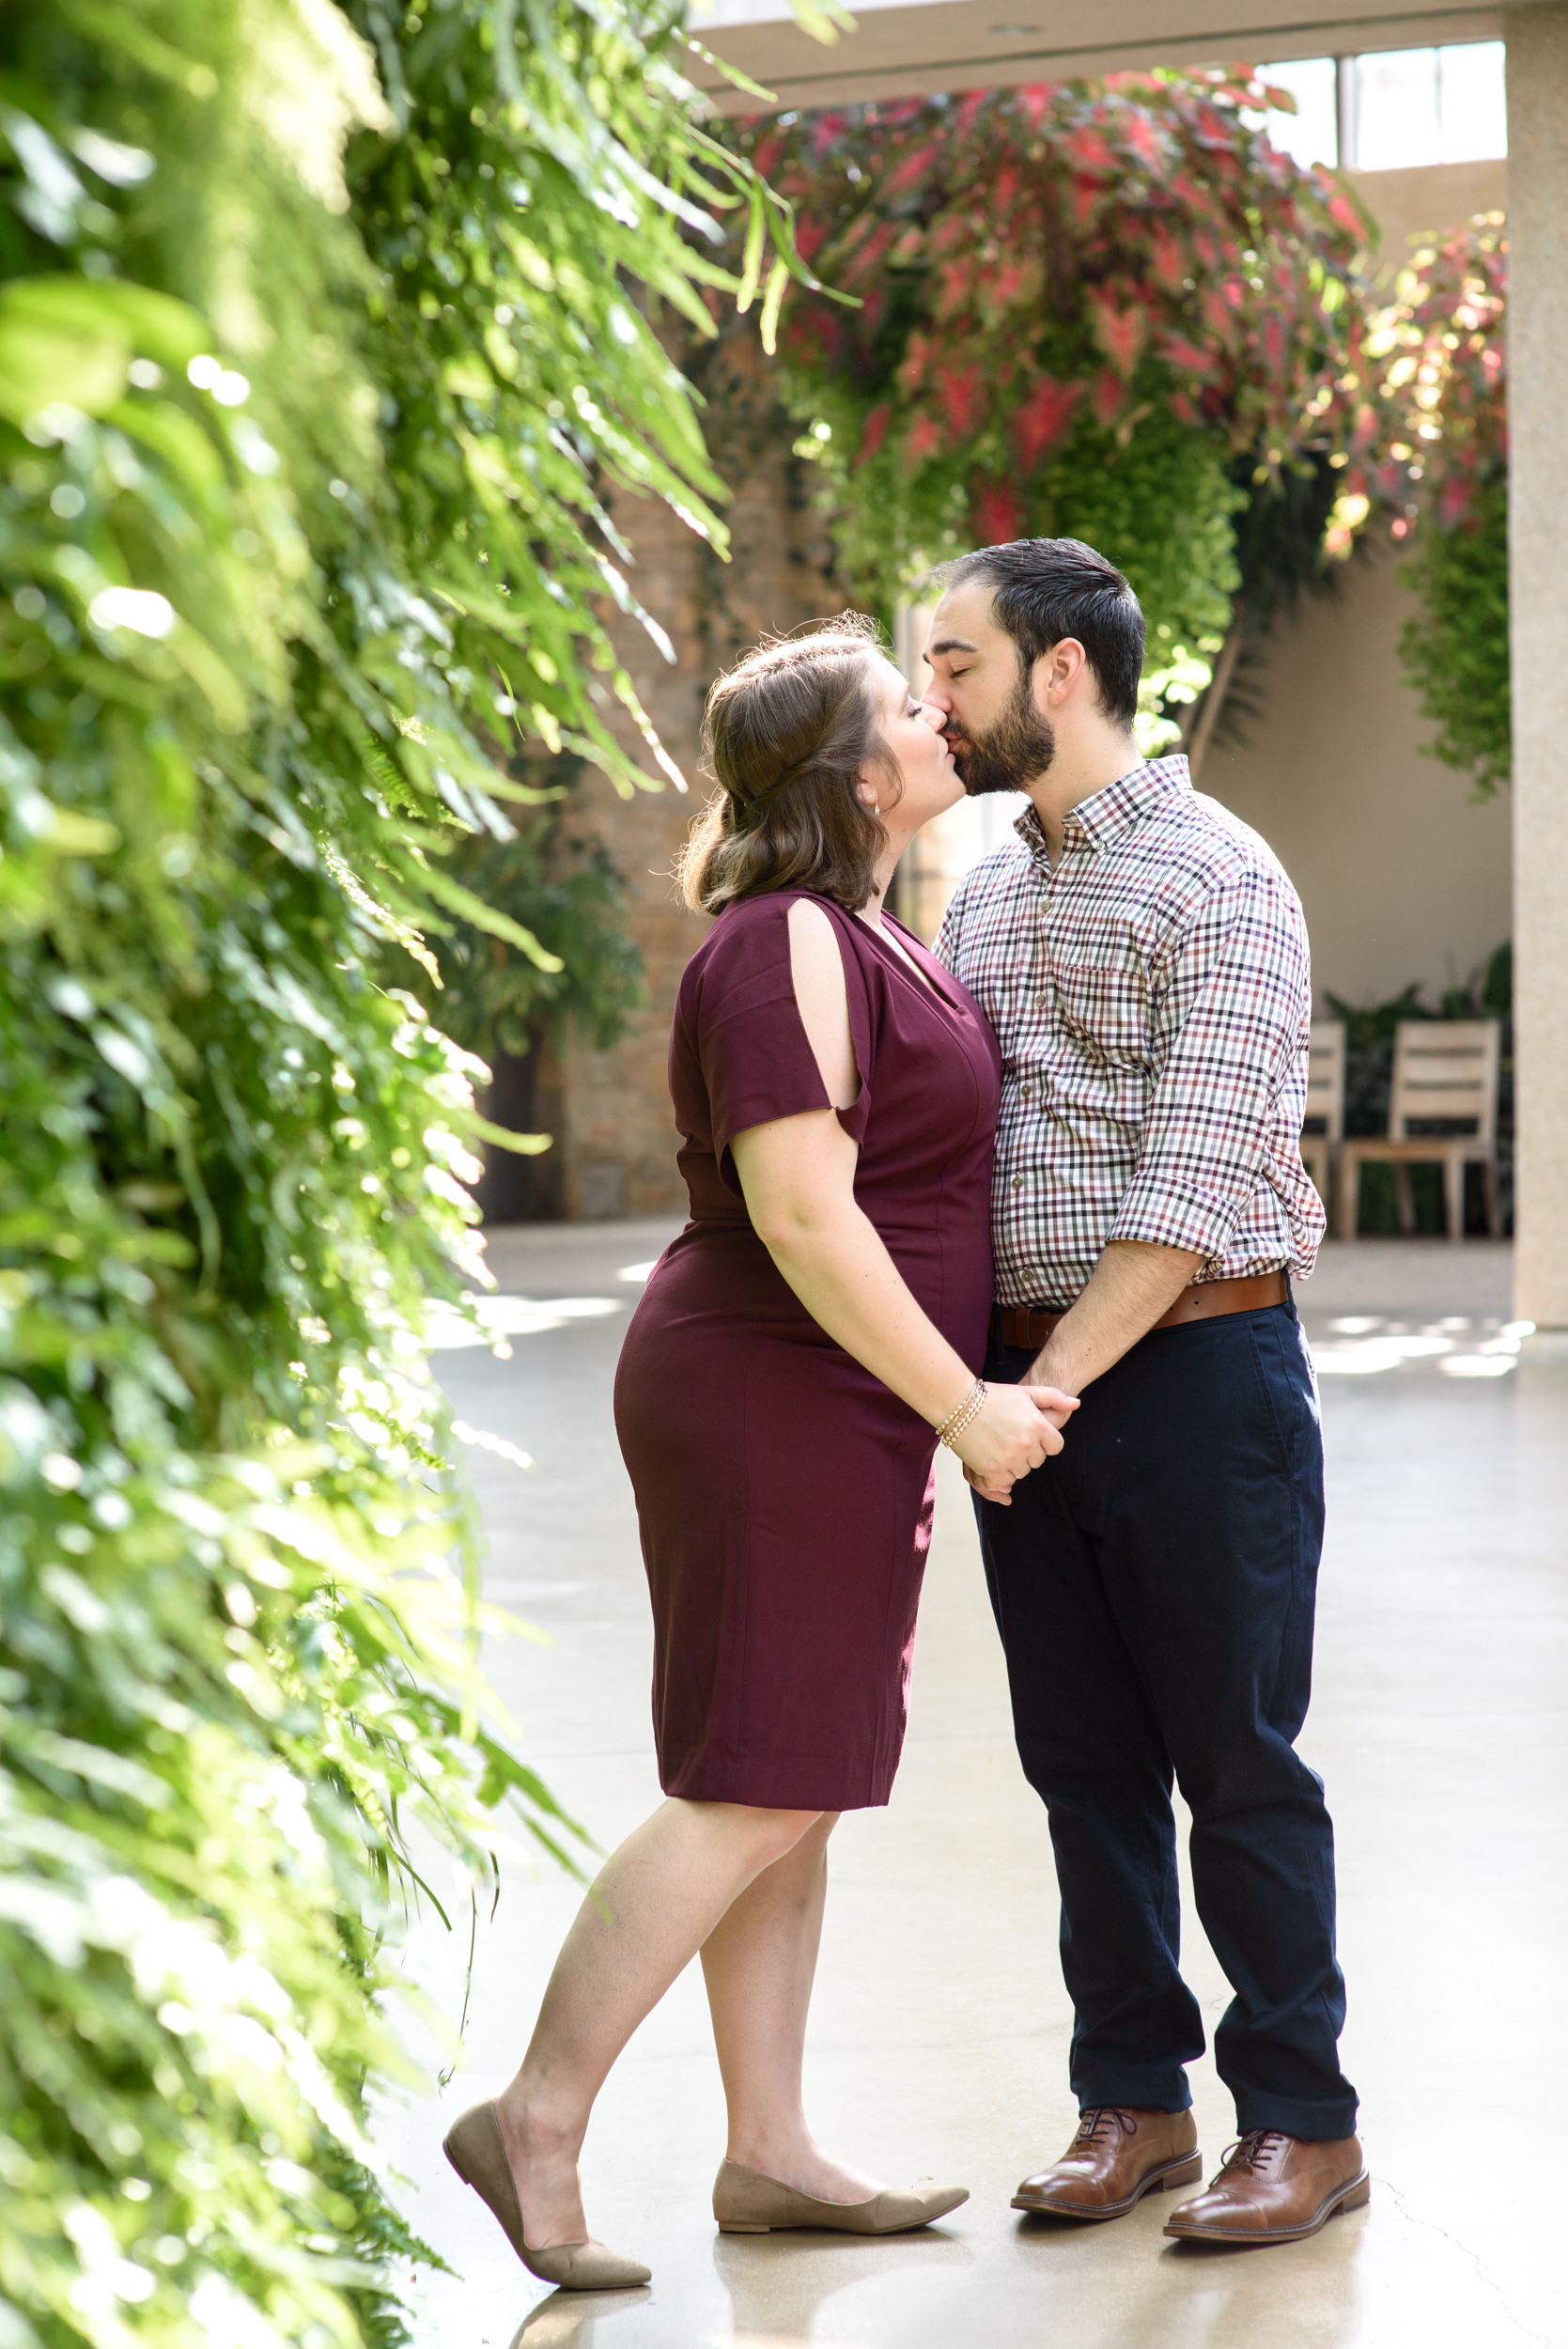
1116,2157
1274,2188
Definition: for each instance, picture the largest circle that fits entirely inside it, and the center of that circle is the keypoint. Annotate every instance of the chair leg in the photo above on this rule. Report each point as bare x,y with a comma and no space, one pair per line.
1349,1201
1404,1199
1489,1192
1454,1189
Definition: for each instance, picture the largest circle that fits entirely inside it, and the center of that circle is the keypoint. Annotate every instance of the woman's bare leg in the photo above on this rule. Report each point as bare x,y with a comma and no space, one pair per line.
654,1904
759,1961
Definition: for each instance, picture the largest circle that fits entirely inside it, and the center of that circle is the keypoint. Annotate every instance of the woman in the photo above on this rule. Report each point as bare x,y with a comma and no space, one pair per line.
783,1382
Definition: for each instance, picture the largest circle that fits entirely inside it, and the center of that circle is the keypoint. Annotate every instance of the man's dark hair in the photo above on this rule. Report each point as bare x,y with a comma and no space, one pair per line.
1048,588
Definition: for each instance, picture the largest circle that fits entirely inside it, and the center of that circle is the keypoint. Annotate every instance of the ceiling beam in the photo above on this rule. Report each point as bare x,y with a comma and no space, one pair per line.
911,47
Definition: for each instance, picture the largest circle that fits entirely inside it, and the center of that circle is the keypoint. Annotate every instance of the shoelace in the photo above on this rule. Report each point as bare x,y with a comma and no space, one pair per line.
1250,2148
1097,2117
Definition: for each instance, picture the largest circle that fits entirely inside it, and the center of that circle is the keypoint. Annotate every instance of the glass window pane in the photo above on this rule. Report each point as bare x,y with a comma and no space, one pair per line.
1311,134
1473,118
1396,110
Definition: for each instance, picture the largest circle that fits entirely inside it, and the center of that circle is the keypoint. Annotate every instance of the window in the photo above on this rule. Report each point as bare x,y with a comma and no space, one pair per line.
1412,106
1394,109
1311,134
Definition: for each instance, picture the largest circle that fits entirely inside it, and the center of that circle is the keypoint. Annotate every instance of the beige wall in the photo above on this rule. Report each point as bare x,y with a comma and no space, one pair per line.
1402,875
1411,204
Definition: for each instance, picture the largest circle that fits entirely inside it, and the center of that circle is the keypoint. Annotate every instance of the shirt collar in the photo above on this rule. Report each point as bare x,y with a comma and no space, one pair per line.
1112,809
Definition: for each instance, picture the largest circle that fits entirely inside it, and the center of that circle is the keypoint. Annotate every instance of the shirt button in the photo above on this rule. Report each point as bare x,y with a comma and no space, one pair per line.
1018,1182
1040,1001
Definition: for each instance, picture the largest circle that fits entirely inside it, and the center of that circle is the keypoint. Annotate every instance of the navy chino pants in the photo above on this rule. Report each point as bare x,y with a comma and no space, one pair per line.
1155,1586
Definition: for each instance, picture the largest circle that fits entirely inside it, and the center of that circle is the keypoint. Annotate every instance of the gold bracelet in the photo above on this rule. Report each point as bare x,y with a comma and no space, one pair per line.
969,1410
943,1425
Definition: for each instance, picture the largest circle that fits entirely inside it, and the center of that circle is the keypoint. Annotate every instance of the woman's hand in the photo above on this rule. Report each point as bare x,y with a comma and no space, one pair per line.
1019,1429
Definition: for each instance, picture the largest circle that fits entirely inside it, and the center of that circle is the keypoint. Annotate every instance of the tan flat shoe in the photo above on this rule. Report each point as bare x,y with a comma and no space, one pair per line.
473,2146
746,2203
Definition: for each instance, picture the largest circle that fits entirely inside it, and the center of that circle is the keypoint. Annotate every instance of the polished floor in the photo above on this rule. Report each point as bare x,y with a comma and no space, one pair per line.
941,2025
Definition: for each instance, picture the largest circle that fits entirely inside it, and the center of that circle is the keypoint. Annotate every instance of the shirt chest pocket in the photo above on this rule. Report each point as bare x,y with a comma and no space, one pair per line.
1103,1005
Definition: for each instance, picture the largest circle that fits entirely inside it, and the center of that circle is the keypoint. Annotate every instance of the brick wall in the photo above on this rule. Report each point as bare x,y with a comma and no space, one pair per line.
616,1136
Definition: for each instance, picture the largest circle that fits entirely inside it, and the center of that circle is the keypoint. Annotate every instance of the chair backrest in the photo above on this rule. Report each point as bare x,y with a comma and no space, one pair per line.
1325,1077
1445,1068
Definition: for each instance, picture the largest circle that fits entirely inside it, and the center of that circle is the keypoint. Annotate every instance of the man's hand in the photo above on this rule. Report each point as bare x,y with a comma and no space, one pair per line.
1054,1406
1131,1287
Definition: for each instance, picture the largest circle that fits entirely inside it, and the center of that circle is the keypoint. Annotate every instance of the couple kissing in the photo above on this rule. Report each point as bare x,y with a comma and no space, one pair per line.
1034,1194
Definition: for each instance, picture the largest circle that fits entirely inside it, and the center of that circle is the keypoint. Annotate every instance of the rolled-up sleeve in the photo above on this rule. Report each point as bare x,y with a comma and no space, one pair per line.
1231,1003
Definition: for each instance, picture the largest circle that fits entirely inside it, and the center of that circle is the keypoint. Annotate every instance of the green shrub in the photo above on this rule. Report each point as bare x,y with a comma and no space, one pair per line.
1455,651
1438,356
300,463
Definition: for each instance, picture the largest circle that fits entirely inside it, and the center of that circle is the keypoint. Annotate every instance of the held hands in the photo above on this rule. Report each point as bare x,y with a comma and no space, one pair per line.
1019,1429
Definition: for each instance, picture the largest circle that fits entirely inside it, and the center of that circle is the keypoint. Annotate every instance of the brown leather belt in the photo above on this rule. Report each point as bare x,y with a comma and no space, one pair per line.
1202,1300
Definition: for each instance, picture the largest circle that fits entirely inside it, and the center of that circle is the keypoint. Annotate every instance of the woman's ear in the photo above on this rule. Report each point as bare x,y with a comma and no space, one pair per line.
868,791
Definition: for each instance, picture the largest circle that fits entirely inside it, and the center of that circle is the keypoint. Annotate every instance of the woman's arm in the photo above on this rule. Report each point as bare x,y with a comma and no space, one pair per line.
798,1176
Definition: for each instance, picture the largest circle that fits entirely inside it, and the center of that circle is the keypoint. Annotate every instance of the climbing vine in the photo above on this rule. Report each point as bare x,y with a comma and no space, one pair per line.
321,332
1440,355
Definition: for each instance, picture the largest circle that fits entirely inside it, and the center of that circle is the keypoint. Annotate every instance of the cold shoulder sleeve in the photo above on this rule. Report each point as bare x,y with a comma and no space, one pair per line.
752,1054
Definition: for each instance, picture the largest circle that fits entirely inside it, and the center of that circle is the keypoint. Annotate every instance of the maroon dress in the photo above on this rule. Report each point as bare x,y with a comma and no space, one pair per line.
782,1492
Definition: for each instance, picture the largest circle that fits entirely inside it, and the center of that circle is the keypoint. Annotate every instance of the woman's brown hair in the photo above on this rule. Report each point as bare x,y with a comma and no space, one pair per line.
785,734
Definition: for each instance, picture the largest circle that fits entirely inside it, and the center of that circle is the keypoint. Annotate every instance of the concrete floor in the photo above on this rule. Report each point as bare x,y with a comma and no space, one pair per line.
940,2026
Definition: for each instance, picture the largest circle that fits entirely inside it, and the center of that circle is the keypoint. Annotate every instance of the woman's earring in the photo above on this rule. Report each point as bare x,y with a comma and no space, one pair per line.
876,807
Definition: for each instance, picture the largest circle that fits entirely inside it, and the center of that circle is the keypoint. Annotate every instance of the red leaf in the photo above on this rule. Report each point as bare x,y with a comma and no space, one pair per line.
1167,259
1177,349
1121,333
922,441
1085,197
1091,152
962,392
1141,136
995,513
912,171
1039,423
968,108
870,254
875,433
954,282
1003,286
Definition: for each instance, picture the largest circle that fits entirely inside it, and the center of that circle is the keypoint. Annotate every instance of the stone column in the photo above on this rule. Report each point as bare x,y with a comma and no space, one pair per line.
1537,41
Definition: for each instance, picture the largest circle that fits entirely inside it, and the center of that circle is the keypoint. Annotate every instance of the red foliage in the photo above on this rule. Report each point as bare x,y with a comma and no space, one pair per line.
995,513
1075,249
1120,332
924,440
963,398
1041,420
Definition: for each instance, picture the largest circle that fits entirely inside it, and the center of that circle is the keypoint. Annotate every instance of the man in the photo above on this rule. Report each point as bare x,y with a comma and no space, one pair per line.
1144,959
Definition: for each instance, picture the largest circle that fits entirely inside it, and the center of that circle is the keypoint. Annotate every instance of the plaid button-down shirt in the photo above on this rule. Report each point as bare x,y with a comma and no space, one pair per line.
1152,996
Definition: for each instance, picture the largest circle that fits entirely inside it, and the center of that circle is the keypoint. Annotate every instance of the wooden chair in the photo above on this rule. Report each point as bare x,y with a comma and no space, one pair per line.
1444,1070
1320,1151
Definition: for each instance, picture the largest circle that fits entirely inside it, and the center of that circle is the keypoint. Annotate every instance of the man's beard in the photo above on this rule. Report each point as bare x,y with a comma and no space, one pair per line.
1009,754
